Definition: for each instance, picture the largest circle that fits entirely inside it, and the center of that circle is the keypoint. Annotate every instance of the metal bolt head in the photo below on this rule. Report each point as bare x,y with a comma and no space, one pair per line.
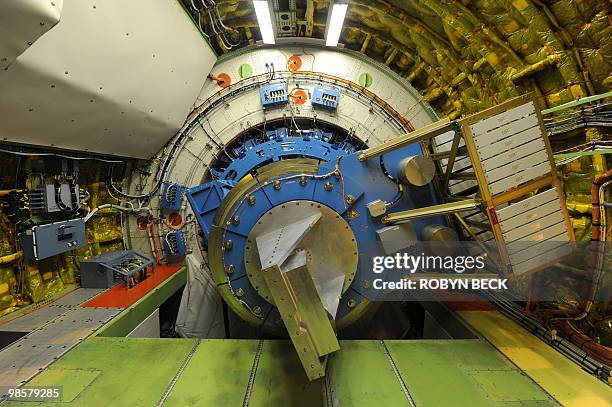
303,181
239,292
365,284
276,185
235,220
351,303
229,269
328,186
228,245
257,310
353,213
350,199
251,199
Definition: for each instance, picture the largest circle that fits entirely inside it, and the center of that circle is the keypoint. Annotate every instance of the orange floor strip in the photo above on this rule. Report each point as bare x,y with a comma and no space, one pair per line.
120,297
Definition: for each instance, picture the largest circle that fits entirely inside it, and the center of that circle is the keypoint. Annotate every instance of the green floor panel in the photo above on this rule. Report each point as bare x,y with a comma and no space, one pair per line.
216,375
137,372
462,372
129,371
281,381
360,375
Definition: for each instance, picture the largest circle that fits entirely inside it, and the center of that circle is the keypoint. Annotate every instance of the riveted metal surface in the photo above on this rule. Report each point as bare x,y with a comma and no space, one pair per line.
72,381
348,385
280,379
217,375
47,313
330,245
557,374
71,327
124,365
96,76
22,360
452,372
27,356
22,22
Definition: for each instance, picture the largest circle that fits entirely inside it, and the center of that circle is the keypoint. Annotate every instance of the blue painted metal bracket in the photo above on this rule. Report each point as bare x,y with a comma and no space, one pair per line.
206,199
171,196
309,146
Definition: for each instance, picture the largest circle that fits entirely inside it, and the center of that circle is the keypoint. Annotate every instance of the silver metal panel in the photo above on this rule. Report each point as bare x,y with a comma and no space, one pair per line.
396,238
556,233
536,250
517,166
543,259
77,297
444,137
149,328
21,361
531,215
515,180
22,22
534,226
33,320
115,77
501,119
72,327
47,313
524,137
513,155
459,164
462,186
527,204
506,131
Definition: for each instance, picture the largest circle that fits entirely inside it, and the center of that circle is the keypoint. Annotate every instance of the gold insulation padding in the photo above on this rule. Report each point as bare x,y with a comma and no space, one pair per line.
24,282
466,56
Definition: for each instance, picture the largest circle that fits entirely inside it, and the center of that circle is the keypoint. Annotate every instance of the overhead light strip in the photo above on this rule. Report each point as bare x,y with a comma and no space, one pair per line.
336,22
262,10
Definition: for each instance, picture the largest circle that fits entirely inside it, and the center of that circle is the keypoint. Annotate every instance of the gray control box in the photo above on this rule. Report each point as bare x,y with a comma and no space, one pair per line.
397,237
43,241
111,268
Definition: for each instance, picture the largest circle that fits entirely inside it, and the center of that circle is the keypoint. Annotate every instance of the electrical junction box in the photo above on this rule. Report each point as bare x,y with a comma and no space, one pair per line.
171,196
273,95
174,244
325,98
45,197
277,134
377,208
43,241
111,268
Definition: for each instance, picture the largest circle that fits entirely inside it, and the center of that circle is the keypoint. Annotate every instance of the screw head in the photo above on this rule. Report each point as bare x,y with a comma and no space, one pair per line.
328,186
303,181
350,199
229,269
257,310
228,245
235,220
276,185
239,292
351,303
365,284
251,200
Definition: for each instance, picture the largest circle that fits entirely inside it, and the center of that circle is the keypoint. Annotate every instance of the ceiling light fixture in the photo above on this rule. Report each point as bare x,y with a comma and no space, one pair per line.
264,19
335,23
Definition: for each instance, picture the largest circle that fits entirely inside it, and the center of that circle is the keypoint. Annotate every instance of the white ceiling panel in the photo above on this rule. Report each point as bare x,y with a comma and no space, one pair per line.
114,77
